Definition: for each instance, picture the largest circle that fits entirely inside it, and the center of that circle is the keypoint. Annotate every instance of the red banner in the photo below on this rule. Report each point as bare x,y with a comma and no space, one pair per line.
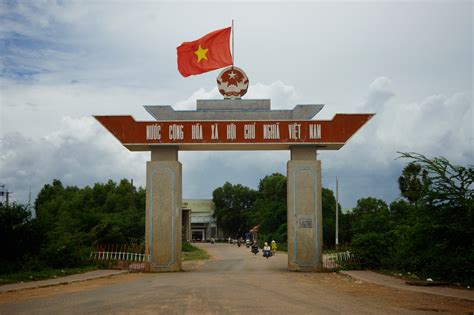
331,134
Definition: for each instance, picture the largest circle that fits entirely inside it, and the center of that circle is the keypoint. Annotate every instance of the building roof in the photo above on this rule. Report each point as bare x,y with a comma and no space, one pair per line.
199,205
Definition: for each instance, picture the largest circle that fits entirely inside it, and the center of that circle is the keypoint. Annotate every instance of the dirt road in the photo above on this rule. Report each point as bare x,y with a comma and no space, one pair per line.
234,281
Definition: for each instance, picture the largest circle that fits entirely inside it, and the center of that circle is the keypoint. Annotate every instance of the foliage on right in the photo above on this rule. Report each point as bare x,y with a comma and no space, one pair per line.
431,233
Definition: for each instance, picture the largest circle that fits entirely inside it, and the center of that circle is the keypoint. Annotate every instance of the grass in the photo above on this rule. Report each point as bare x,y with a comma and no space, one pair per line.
191,252
48,273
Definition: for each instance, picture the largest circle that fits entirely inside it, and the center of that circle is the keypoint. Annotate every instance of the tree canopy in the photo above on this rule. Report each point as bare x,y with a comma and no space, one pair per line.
239,208
431,233
69,220
234,205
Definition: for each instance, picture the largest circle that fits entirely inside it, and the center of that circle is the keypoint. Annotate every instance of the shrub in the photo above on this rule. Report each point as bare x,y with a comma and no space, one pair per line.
372,250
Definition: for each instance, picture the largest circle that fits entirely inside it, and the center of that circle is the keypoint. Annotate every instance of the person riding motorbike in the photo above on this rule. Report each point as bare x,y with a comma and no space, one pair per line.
254,247
274,247
247,243
267,251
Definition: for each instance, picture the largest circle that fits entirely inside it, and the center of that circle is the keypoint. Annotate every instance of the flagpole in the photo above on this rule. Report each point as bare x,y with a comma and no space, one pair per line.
232,43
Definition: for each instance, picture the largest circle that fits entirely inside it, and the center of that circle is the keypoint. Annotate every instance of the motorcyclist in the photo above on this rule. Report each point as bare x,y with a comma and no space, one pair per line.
274,247
254,247
267,251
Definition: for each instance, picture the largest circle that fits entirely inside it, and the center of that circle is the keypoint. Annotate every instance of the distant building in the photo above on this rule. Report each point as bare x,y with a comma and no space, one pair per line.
198,221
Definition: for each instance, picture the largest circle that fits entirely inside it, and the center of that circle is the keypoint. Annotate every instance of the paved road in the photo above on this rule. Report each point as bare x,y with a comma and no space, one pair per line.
233,282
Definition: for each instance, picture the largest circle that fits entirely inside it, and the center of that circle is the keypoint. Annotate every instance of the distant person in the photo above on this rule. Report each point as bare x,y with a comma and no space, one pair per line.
230,240
213,240
254,248
274,247
267,250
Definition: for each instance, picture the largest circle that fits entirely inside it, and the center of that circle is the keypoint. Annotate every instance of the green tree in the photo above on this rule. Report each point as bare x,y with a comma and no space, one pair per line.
345,227
439,241
374,250
371,215
432,234
329,217
233,207
373,239
20,234
271,208
414,182
75,219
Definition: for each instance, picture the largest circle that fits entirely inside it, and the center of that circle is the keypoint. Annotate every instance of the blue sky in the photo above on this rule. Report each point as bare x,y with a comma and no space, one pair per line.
62,62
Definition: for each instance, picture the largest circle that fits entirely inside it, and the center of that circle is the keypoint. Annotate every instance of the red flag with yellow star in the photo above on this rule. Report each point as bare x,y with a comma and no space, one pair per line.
208,53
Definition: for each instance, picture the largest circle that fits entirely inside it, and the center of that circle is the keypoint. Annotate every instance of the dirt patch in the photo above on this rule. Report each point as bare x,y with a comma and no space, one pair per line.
26,294
393,298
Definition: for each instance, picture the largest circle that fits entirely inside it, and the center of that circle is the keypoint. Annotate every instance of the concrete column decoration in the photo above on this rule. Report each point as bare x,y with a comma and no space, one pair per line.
163,211
304,210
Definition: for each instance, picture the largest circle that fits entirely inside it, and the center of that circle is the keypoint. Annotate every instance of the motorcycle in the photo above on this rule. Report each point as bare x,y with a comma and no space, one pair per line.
255,249
267,253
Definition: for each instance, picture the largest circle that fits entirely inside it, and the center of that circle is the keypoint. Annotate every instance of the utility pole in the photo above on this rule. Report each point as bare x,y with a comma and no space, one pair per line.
337,212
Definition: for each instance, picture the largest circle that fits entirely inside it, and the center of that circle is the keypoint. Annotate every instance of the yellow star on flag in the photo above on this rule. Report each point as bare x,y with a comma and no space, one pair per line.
201,53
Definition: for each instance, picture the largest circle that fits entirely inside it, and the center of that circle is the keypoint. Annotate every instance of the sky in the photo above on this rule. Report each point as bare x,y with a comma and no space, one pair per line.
64,61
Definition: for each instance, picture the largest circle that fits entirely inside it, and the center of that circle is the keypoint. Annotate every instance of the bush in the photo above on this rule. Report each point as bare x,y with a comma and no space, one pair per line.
372,250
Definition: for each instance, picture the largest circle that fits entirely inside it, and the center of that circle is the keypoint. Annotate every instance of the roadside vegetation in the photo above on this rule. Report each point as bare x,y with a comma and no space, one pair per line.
68,222
45,273
427,232
191,252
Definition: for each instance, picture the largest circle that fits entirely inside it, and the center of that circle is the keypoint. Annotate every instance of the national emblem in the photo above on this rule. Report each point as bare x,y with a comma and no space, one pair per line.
232,82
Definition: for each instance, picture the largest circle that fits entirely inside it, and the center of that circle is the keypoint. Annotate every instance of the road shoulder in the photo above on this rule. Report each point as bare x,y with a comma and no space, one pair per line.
380,279
61,280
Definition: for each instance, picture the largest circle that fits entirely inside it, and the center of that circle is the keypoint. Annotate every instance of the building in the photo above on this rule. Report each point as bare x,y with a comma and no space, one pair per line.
198,221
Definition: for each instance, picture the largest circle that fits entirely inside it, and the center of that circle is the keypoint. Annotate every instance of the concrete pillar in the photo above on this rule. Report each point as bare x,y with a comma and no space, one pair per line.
305,233
163,210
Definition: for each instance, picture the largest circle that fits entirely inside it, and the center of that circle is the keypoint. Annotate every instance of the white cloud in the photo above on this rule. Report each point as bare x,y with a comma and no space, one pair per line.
201,94
80,153
437,125
380,92
282,96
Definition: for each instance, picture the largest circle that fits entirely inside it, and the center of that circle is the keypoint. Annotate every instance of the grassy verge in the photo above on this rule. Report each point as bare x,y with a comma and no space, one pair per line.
49,273
191,252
